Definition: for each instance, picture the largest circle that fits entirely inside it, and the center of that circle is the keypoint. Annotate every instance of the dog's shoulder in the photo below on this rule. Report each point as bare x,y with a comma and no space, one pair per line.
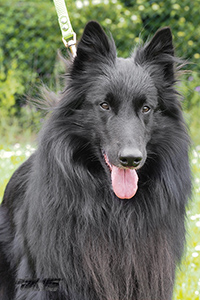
17,184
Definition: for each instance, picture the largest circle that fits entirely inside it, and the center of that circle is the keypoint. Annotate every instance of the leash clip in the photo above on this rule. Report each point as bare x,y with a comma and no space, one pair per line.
68,35
71,44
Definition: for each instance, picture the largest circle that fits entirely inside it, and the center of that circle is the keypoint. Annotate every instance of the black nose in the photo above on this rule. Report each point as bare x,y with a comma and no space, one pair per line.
130,157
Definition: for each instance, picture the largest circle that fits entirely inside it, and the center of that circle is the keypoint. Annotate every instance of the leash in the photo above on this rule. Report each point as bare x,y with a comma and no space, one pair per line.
68,35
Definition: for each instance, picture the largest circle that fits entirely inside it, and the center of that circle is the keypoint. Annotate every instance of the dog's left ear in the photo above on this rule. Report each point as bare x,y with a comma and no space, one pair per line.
95,45
159,52
160,44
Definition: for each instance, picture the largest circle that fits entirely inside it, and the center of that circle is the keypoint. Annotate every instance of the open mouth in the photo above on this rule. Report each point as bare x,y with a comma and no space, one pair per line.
124,180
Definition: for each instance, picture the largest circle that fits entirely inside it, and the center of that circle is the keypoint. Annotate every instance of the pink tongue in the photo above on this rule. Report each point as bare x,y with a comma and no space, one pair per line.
124,182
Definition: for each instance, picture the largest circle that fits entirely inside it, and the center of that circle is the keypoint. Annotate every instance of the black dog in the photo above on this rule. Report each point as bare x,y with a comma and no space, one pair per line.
117,133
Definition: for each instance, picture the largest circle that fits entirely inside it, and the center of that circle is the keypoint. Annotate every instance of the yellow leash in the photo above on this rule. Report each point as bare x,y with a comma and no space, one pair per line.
68,35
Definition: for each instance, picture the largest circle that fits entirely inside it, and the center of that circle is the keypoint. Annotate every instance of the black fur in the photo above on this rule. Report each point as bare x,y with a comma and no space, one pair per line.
60,217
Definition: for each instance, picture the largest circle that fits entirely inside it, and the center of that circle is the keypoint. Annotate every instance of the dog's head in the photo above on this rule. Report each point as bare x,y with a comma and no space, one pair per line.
120,101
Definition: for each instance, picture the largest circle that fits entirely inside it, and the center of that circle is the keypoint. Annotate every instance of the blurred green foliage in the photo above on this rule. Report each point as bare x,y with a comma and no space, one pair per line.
10,85
190,88
30,37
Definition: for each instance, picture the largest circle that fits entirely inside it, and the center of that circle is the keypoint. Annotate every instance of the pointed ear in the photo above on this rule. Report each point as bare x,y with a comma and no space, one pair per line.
159,52
95,45
160,44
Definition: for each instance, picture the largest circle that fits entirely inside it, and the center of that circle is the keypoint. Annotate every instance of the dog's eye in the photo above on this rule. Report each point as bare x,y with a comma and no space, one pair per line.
146,109
105,106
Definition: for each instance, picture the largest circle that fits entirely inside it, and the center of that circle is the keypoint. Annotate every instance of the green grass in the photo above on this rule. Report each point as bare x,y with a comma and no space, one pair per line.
188,277
10,158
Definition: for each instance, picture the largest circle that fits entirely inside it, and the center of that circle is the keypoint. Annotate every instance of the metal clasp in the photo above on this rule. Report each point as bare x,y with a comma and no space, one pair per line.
71,44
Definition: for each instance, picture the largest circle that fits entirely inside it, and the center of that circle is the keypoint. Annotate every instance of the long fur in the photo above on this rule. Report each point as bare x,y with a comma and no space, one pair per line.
60,218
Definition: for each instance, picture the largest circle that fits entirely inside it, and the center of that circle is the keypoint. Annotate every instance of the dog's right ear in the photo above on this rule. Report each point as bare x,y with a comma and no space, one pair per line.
94,45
